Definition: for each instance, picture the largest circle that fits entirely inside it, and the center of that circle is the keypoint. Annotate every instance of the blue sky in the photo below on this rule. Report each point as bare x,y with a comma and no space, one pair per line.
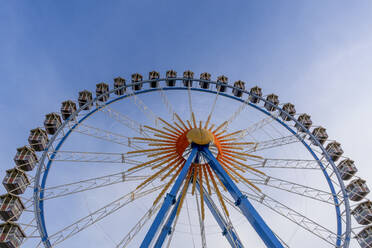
316,54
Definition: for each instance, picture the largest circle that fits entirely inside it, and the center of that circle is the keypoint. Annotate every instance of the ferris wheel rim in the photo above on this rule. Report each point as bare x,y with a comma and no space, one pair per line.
38,202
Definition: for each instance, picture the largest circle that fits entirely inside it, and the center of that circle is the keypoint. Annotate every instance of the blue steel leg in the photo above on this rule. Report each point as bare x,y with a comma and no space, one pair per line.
227,231
167,229
169,199
262,229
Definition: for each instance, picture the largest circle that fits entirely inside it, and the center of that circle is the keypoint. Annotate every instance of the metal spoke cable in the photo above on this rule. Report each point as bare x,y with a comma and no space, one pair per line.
124,242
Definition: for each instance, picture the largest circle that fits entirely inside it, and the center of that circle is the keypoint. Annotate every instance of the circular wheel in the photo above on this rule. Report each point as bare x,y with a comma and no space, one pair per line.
182,162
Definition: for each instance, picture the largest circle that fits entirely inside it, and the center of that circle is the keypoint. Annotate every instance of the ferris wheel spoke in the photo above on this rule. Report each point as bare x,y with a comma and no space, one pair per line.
287,164
124,120
269,144
257,126
296,217
94,217
138,226
293,188
88,184
144,108
93,157
103,134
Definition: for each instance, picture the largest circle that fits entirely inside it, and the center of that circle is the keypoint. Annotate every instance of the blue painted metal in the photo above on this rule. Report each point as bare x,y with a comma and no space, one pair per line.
40,174
241,201
167,228
169,199
227,231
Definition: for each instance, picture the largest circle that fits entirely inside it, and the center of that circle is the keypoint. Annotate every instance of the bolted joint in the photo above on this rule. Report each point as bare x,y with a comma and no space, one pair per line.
239,200
171,198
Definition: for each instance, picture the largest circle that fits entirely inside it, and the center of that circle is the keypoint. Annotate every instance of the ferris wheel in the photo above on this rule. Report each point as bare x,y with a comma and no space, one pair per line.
182,162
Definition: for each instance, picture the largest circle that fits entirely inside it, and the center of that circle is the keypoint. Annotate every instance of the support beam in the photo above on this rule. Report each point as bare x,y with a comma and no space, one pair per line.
227,231
262,229
167,228
169,199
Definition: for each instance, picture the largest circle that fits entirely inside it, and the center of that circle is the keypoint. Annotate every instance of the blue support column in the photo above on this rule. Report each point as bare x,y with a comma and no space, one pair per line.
167,229
262,229
228,232
169,199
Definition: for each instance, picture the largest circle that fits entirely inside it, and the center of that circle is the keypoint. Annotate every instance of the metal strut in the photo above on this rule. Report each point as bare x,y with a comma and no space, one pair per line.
167,228
227,230
262,229
170,199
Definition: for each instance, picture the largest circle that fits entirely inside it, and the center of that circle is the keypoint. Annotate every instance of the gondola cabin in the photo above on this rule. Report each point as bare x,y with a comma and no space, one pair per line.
15,181
11,207
222,83
119,86
52,122
364,237
334,150
154,75
357,189
256,92
288,108
347,169
239,87
85,96
25,158
137,81
272,101
171,75
363,213
38,139
305,120
187,78
11,235
102,90
68,107
205,76
320,134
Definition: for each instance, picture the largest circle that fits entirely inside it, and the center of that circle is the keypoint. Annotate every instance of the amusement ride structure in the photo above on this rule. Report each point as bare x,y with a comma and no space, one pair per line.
182,162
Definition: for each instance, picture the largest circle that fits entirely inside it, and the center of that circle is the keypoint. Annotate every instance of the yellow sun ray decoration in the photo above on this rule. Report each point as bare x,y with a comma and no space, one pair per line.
170,154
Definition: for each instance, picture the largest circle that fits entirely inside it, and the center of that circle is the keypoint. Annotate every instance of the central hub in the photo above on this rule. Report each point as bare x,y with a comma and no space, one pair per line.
200,136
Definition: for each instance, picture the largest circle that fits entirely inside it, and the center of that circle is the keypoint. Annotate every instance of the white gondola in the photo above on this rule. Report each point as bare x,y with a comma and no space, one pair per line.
85,96
52,123
272,101
15,181
290,109
101,91
305,120
68,107
154,75
187,78
171,75
137,81
25,158
205,76
255,93
363,213
320,134
11,235
119,86
347,169
38,139
334,150
364,237
11,207
222,80
357,189
239,87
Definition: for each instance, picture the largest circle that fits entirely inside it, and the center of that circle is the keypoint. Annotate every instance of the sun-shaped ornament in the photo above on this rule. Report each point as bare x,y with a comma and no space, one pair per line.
170,146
